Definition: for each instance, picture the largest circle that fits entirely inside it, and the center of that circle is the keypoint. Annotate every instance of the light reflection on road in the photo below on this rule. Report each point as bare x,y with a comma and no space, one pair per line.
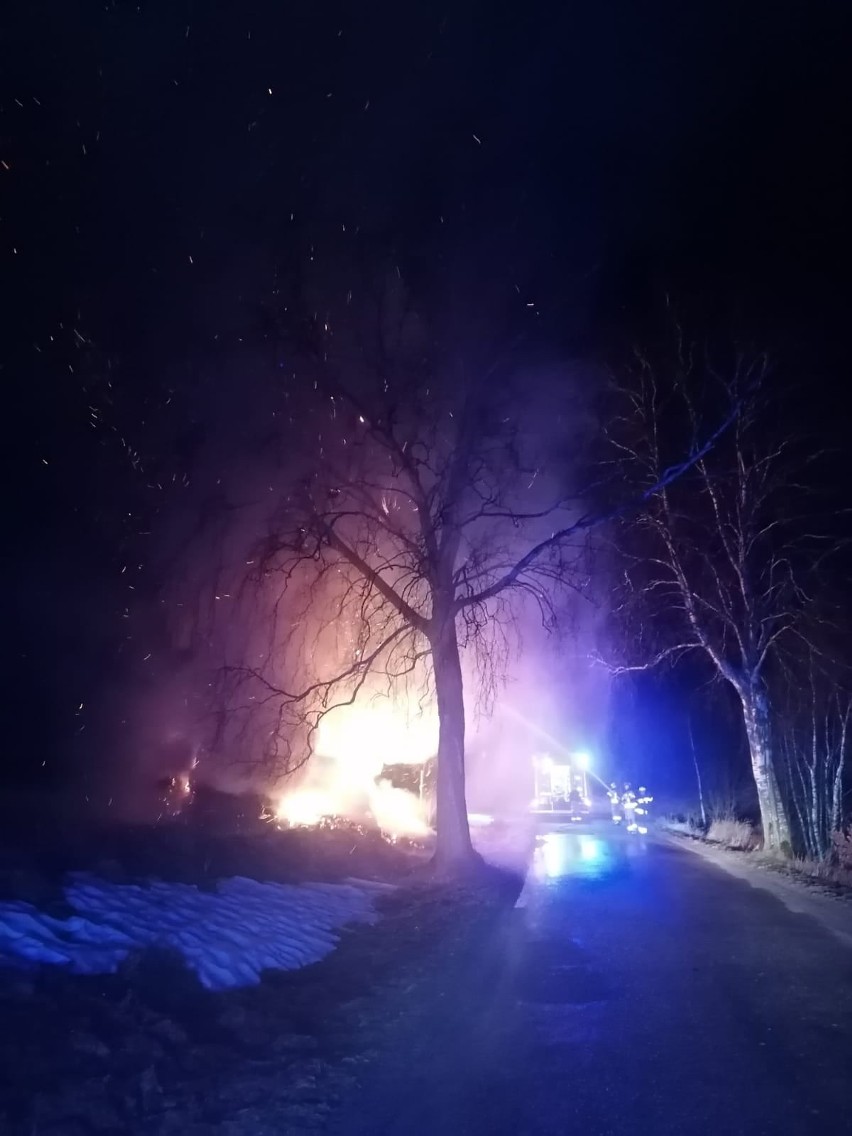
565,853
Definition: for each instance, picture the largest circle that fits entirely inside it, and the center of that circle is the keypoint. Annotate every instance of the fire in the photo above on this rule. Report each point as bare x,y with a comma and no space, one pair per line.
304,808
397,812
378,733
354,743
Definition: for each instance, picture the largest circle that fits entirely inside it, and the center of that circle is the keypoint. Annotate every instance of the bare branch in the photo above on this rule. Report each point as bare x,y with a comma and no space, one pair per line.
596,519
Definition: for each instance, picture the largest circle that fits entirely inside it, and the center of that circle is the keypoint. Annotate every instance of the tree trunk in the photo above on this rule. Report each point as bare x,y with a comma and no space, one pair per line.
773,810
837,788
454,851
697,770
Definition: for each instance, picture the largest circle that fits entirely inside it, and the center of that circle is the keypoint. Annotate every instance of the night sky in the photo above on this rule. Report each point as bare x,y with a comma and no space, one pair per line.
165,166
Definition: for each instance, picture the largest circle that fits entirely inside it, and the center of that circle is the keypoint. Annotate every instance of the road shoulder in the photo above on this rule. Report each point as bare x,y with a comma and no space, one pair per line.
834,913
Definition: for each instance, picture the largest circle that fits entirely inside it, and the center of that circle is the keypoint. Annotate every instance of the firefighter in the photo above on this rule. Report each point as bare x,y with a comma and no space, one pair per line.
615,803
576,804
628,804
643,801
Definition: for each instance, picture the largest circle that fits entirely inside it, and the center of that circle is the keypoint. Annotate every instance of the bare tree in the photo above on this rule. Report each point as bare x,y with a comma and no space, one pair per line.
721,561
814,734
427,514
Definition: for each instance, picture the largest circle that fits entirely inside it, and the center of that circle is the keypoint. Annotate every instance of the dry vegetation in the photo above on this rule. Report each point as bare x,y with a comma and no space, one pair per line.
735,834
727,831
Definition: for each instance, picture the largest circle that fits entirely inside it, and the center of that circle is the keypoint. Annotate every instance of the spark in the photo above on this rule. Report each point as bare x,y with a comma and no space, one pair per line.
478,141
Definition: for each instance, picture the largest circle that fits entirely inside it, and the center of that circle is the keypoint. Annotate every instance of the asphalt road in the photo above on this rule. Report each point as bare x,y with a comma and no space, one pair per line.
638,989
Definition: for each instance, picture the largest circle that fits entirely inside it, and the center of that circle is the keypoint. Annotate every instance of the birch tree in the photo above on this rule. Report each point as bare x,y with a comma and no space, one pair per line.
721,561
814,732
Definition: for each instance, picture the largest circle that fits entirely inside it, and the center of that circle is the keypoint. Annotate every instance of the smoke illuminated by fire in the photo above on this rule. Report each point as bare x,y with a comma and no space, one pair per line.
354,744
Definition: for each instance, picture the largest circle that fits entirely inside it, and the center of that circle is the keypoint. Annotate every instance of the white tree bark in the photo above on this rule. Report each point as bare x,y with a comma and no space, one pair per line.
773,811
715,557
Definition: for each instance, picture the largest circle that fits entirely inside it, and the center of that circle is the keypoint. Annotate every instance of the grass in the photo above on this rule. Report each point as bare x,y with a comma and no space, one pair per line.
827,872
728,831
682,826
733,833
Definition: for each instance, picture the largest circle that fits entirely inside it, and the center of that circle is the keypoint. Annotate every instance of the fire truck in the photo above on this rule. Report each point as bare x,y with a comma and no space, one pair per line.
562,786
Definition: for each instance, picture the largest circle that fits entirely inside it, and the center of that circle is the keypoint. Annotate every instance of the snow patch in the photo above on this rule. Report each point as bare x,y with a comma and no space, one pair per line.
227,936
